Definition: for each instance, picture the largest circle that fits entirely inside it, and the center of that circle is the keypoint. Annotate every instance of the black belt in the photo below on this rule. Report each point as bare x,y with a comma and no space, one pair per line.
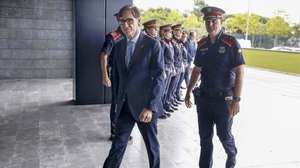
212,93
215,93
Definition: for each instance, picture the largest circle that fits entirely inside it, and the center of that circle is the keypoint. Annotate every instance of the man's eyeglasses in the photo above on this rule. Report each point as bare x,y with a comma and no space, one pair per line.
129,21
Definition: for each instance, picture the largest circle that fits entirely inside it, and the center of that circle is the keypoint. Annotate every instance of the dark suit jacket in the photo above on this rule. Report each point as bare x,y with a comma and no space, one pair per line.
141,84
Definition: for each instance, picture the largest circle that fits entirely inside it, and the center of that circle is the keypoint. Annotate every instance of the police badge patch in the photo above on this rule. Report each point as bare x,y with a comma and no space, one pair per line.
222,50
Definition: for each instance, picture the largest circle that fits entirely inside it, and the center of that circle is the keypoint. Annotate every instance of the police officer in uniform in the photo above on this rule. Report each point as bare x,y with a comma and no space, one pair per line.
172,102
191,47
180,58
169,69
150,28
219,62
184,51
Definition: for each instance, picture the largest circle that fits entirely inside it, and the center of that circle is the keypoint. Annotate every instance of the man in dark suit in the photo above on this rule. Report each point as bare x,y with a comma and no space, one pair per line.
139,65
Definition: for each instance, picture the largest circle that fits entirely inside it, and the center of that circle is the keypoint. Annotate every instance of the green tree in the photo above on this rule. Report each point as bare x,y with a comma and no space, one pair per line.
238,23
296,30
277,27
163,15
199,4
192,23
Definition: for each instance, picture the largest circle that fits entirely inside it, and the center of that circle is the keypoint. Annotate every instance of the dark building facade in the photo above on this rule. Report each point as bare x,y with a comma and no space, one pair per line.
57,39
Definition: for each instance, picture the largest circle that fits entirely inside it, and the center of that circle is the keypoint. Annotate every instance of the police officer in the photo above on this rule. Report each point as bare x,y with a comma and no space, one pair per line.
172,102
150,28
108,77
191,47
219,62
169,69
182,42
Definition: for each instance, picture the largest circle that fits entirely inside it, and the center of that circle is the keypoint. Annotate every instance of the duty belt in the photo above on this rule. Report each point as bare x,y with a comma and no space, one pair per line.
213,94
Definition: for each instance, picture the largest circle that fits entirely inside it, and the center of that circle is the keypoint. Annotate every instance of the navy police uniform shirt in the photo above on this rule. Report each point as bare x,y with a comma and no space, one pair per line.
168,53
191,49
110,40
184,53
177,53
217,62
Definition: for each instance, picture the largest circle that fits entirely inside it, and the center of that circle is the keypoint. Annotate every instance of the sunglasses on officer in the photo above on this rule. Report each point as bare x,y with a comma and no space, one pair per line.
211,20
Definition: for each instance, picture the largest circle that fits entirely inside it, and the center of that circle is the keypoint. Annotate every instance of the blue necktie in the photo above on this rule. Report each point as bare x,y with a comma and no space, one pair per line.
129,52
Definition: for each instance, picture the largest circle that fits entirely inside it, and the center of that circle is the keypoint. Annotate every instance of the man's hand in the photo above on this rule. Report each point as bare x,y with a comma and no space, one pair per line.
188,101
106,81
146,115
234,108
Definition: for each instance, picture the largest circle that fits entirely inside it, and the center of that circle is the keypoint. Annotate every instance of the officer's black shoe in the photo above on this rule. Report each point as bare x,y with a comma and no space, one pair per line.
168,109
174,108
163,116
168,114
175,104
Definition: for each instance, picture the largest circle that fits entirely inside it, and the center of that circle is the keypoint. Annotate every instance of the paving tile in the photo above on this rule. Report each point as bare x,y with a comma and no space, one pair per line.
39,129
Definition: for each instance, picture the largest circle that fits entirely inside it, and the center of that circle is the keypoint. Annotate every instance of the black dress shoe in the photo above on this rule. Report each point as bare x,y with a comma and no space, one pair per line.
174,108
168,114
169,110
175,105
163,116
180,100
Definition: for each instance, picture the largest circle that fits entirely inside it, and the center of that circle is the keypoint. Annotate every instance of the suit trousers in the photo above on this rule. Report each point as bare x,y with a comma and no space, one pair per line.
113,112
124,128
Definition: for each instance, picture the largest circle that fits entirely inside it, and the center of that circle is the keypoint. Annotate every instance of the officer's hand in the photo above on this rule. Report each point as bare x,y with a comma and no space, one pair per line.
146,115
188,101
106,81
234,108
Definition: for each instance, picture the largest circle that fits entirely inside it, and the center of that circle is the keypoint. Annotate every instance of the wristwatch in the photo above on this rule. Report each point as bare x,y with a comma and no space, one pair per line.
236,98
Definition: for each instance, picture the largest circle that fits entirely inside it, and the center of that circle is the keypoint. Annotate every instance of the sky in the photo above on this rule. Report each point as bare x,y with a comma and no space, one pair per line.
261,7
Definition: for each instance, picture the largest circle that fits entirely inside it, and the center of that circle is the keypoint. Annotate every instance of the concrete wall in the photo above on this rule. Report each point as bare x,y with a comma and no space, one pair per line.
36,39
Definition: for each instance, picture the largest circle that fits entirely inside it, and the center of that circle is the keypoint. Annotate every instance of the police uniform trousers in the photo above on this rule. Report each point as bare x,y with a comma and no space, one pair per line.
181,78
172,87
212,112
113,112
187,74
167,84
124,127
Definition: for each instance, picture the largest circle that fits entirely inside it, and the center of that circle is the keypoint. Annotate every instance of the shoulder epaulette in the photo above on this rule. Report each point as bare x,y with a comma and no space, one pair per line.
116,35
202,42
228,40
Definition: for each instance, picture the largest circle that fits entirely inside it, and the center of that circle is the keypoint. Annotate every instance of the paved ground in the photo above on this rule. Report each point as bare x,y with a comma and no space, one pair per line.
40,129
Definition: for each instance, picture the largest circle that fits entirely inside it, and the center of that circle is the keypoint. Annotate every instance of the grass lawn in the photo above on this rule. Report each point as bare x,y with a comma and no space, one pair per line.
275,60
